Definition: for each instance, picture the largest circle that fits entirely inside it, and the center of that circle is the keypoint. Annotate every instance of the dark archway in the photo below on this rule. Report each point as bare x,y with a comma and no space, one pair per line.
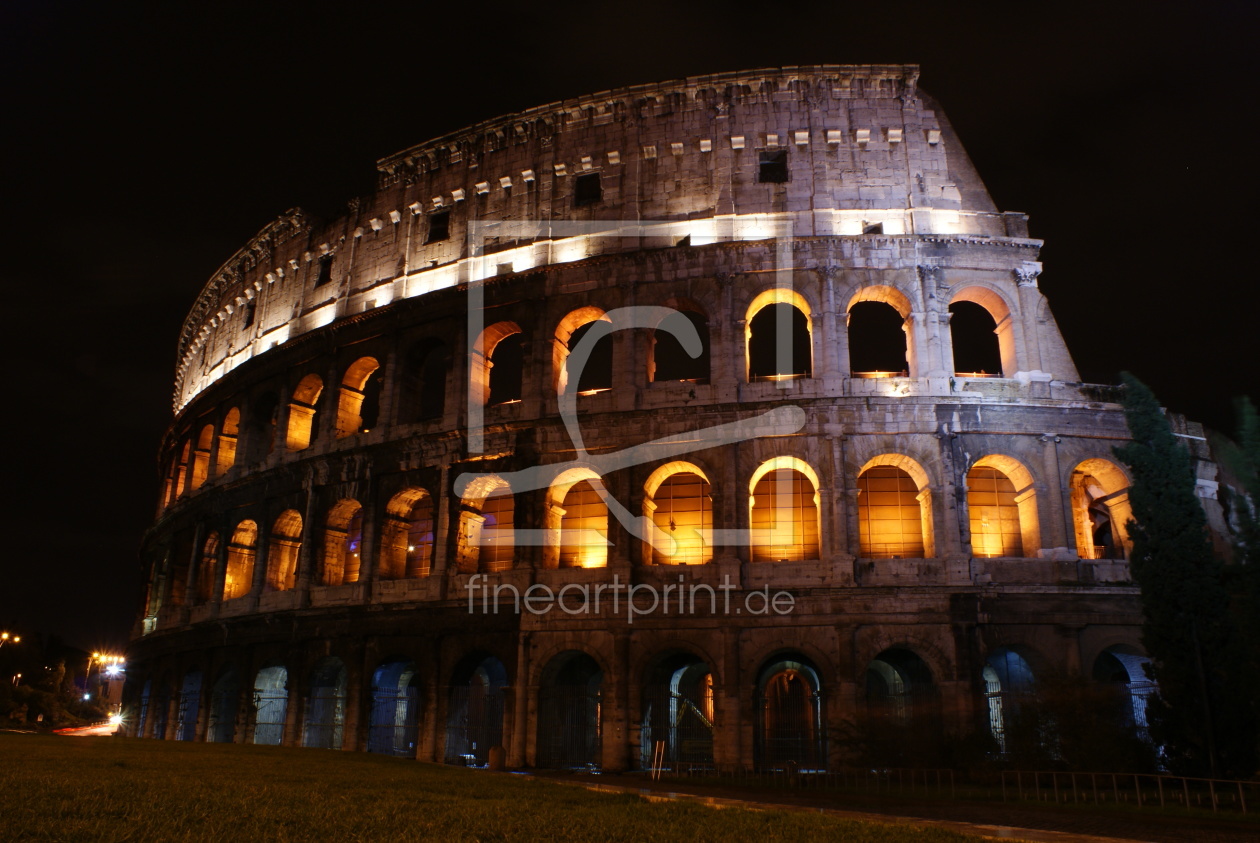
225,696
394,726
779,344
973,333
569,701
790,731
877,341
670,361
325,722
474,711
678,712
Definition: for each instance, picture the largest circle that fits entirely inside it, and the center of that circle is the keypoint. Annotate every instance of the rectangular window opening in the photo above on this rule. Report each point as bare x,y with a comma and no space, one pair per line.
325,270
773,167
587,190
439,227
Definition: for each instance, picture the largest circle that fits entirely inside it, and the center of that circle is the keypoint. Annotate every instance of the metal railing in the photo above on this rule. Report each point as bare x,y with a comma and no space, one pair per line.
1135,790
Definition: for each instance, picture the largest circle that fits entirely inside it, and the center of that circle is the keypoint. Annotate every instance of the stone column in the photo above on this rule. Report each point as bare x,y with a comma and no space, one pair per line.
521,692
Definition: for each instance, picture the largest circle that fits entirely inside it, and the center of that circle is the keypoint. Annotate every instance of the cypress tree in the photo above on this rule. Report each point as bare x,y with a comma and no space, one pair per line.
1186,628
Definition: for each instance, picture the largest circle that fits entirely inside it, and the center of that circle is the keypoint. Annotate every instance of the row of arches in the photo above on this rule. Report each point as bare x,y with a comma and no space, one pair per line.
893,514
678,717
779,345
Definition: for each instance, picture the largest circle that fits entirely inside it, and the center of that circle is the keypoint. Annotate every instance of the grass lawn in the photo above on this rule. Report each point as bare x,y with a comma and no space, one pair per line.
62,788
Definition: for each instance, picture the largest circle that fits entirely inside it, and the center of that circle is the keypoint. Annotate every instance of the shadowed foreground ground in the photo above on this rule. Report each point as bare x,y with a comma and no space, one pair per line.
52,788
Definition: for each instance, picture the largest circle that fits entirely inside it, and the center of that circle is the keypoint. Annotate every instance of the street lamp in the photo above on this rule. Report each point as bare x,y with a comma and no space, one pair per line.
5,638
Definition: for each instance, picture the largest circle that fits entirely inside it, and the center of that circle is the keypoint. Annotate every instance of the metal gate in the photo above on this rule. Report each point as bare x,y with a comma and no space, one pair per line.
681,722
222,728
569,732
791,727
394,727
325,718
270,706
474,723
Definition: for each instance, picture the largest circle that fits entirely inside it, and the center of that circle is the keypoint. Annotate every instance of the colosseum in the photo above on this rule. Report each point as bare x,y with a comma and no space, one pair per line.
688,423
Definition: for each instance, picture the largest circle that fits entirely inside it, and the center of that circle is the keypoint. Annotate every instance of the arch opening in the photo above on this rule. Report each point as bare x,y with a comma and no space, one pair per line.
189,707
681,508
583,525
238,579
892,520
226,456
407,536
569,712
271,705
1125,669
877,340
343,544
225,697
207,569
994,513
474,711
779,344
669,361
358,401
302,412
1100,509
283,550
678,712
1008,680
973,336
394,724
423,385
325,721
784,515
790,732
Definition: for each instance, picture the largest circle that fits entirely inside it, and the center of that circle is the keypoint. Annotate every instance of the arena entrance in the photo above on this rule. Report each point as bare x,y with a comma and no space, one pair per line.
394,725
271,705
677,725
569,728
474,711
789,707
326,706
225,698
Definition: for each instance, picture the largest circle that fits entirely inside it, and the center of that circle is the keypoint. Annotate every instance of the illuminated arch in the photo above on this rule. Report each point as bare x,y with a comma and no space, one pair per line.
1004,326
201,457
481,378
302,411
894,509
226,457
561,344
487,526
355,402
282,551
789,708
576,520
1002,507
407,541
678,501
784,511
761,335
343,543
1100,509
238,579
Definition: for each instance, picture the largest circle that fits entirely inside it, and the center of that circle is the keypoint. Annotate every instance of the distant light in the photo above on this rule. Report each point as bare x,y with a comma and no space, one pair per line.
87,696
113,670
115,720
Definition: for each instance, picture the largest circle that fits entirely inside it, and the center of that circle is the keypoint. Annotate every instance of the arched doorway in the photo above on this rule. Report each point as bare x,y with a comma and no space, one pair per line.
678,712
1008,679
224,700
789,707
474,711
394,725
1125,668
271,704
902,718
324,727
569,728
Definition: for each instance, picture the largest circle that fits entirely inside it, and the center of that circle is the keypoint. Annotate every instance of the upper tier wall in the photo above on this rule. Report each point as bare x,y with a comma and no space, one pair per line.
864,149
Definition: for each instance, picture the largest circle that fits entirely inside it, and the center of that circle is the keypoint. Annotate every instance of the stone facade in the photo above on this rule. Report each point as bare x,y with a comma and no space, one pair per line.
312,563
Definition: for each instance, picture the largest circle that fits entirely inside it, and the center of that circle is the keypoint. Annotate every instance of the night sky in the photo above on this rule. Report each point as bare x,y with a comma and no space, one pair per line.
144,145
